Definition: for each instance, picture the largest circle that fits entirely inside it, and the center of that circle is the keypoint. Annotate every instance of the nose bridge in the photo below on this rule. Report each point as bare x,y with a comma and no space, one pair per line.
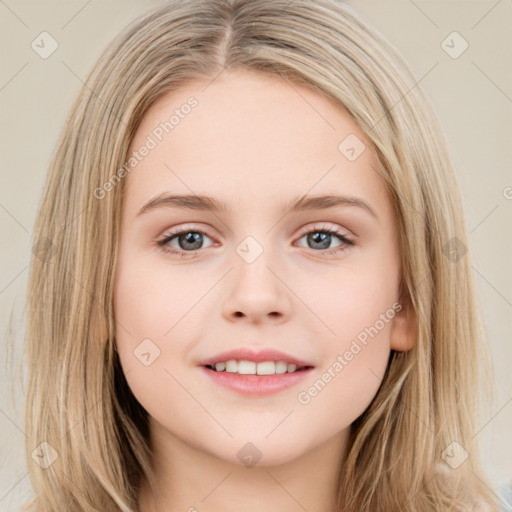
255,256
256,291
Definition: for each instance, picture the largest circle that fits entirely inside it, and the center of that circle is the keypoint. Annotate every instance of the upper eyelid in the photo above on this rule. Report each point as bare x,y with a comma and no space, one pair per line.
318,226
186,229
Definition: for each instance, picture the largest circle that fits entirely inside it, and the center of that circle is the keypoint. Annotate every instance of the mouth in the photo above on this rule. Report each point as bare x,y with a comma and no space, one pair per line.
255,379
255,371
255,361
264,368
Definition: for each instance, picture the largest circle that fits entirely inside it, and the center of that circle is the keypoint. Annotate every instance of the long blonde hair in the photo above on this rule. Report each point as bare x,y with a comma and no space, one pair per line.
78,401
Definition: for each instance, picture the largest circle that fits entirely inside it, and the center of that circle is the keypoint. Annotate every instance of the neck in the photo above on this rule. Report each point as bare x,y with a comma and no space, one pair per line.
188,479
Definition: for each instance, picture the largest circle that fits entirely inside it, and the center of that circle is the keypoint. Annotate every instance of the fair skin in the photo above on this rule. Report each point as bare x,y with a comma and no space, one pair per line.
256,143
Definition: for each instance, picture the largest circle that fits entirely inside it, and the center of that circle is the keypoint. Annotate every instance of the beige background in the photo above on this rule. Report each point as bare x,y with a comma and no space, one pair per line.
472,94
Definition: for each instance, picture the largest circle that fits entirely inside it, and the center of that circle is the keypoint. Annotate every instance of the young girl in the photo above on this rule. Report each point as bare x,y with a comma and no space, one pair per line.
316,346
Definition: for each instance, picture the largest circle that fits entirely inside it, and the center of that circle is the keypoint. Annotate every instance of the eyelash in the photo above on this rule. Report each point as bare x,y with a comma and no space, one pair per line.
163,244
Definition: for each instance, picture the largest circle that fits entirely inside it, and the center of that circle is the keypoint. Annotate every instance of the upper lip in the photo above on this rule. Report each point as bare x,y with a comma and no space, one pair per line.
258,356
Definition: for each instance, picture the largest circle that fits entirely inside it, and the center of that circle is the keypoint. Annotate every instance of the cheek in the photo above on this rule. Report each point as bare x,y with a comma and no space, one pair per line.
157,307
150,300
150,310
354,358
358,306
344,389
350,299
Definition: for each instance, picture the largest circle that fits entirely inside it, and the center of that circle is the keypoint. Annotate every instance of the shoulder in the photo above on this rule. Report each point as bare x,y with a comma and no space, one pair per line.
505,495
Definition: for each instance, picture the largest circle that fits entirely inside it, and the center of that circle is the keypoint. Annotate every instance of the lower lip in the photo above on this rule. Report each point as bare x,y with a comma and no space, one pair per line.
257,384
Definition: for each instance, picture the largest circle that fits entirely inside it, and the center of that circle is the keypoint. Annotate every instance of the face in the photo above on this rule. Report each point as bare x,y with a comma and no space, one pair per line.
249,270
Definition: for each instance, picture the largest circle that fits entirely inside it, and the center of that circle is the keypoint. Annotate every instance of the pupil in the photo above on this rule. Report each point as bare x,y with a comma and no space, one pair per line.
192,238
320,237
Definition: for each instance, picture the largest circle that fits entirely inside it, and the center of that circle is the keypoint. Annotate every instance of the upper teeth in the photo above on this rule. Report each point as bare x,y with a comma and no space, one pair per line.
251,368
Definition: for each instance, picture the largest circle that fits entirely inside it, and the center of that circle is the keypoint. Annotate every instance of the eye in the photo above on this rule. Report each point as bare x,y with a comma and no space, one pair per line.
188,241
320,238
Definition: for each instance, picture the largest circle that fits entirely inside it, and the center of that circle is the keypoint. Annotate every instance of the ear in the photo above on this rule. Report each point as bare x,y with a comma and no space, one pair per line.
404,326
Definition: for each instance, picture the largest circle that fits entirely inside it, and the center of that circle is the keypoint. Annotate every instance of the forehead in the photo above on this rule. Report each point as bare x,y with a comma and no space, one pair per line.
251,137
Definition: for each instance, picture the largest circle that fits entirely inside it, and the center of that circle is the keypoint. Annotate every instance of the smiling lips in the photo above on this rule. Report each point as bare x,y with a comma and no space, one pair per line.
265,355
244,367
253,372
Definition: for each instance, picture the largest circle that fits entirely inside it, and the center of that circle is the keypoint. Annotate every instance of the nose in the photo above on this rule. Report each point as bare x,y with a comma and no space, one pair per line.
257,292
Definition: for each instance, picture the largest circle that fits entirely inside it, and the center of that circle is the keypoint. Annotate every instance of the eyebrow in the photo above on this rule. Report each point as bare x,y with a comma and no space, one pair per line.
301,203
